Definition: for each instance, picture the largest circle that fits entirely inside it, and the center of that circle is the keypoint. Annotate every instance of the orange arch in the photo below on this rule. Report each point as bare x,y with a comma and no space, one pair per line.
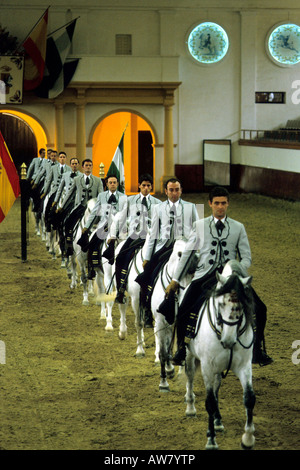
36,127
106,136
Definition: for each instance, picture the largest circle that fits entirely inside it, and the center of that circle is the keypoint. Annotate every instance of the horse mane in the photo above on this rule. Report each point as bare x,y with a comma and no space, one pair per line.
243,292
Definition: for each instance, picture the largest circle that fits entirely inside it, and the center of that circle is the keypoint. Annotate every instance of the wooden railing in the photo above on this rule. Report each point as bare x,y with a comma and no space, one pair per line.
278,135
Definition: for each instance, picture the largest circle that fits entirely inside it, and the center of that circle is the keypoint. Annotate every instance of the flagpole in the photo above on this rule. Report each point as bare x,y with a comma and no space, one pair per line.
124,131
32,29
64,26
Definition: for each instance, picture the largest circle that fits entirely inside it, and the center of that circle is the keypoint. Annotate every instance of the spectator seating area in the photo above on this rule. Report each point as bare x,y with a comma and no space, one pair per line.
291,132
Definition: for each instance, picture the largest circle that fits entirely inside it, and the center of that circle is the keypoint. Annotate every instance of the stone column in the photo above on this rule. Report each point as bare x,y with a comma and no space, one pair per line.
80,132
169,142
59,128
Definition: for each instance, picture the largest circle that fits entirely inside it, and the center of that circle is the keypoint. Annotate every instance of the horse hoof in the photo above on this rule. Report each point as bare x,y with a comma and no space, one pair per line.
247,442
139,355
164,388
218,425
85,303
190,413
109,328
211,445
163,385
122,335
171,373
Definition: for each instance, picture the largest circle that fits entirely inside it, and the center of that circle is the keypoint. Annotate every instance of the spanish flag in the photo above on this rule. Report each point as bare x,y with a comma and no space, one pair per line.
9,180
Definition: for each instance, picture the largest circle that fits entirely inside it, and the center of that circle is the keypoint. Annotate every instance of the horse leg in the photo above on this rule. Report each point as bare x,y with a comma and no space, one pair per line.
52,244
135,303
37,223
170,369
47,240
157,343
211,408
84,281
166,368
42,220
190,367
101,290
72,271
109,307
123,326
217,418
163,386
248,439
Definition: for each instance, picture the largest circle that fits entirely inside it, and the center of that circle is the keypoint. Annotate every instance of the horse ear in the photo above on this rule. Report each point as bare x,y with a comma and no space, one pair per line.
247,280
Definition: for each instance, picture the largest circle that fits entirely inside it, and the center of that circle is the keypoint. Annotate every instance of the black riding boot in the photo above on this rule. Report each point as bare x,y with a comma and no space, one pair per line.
185,332
260,355
179,356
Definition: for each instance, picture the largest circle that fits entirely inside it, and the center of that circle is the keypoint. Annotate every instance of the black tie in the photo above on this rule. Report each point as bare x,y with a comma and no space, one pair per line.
220,226
173,211
172,224
144,202
73,175
112,199
87,181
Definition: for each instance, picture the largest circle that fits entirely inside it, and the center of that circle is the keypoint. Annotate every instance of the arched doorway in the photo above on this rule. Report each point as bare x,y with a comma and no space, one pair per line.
23,135
139,143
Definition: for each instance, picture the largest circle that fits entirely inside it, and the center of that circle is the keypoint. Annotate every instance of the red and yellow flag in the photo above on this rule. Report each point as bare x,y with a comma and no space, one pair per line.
35,47
9,180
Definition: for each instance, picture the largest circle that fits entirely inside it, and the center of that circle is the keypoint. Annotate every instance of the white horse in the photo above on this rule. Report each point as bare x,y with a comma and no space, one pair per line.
104,278
133,292
164,331
79,258
105,284
224,341
51,238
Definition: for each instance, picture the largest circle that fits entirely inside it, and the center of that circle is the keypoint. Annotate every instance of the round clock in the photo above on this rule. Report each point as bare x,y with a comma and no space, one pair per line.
283,44
208,43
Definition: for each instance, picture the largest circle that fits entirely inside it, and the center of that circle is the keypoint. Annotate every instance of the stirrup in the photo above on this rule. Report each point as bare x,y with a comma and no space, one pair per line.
179,356
120,298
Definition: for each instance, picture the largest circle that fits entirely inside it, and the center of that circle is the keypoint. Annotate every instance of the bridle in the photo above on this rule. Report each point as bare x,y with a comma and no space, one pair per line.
220,322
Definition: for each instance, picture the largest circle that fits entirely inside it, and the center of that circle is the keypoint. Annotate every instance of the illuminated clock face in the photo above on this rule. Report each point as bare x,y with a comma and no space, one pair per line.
208,43
283,44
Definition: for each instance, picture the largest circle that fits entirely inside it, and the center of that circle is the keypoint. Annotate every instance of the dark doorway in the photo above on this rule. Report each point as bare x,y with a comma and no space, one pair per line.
145,151
19,138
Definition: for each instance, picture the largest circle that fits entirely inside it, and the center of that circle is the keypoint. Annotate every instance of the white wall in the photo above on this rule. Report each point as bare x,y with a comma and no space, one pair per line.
213,102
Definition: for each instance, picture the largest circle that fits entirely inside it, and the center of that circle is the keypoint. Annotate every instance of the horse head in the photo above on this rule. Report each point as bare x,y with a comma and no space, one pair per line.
234,303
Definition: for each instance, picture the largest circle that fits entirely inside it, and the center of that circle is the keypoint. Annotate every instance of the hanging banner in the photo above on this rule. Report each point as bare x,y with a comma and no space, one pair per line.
11,79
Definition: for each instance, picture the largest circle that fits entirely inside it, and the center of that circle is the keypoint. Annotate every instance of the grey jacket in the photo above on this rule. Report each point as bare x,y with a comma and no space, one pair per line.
104,211
34,167
53,178
65,185
44,170
214,249
161,225
138,216
83,192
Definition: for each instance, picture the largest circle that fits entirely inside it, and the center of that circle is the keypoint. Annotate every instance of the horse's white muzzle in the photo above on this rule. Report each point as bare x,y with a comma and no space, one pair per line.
228,343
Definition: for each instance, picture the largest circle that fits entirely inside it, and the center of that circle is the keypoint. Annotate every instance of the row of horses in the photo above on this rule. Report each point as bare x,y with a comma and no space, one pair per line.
224,334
